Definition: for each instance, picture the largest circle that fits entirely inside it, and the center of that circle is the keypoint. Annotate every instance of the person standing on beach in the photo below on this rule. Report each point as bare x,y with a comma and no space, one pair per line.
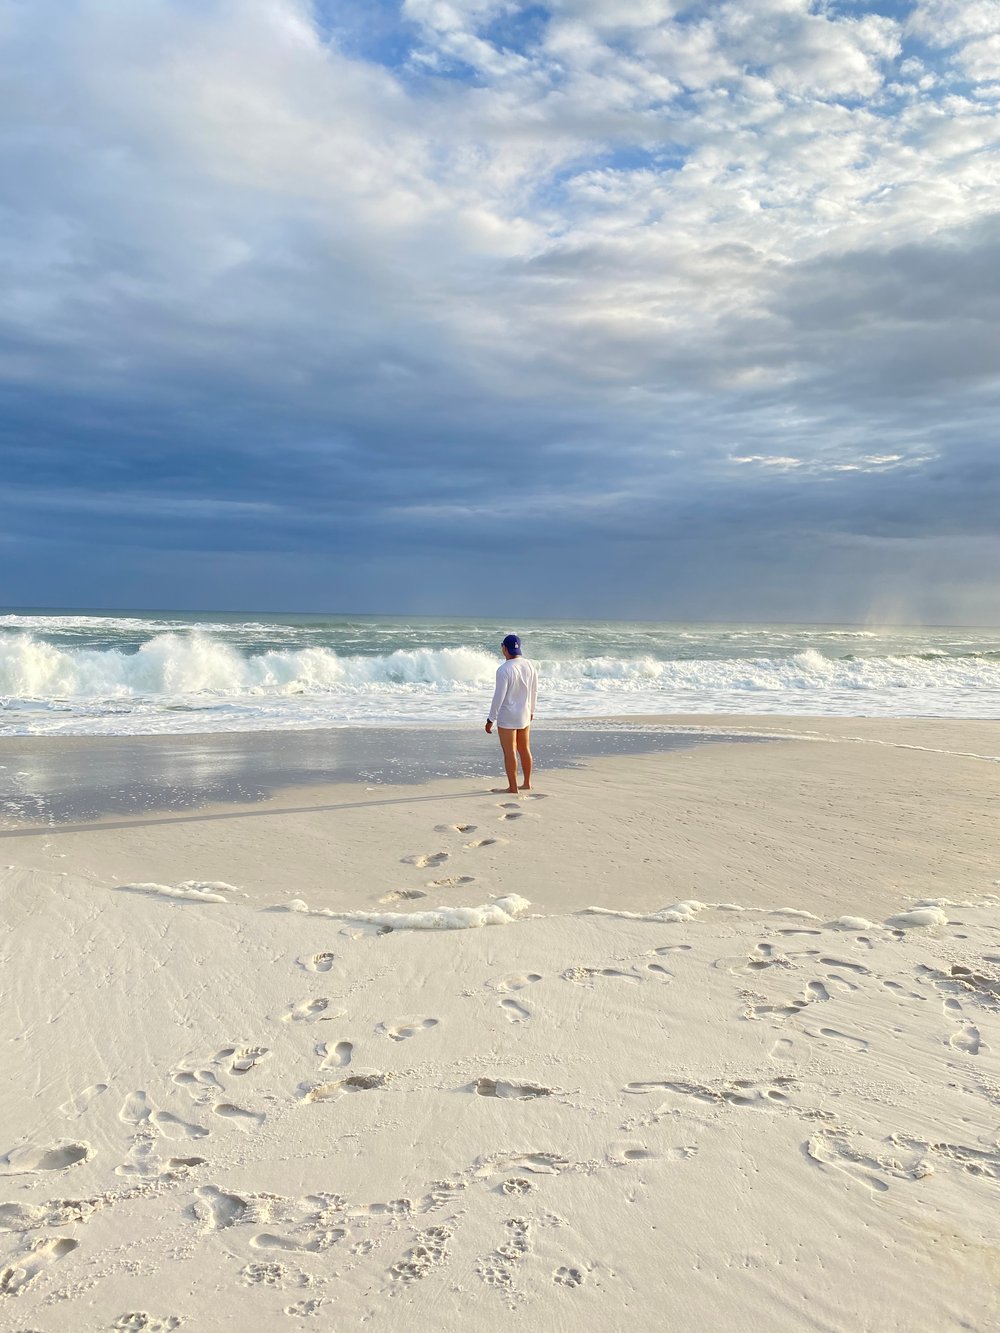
513,709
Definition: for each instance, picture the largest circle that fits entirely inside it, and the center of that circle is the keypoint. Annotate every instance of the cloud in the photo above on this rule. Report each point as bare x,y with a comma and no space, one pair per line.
285,284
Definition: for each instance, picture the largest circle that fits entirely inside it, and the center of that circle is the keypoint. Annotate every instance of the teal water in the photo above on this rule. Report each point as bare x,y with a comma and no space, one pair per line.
139,672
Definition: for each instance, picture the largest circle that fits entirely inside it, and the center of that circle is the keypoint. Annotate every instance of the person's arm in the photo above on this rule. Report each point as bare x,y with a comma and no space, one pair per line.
534,692
499,694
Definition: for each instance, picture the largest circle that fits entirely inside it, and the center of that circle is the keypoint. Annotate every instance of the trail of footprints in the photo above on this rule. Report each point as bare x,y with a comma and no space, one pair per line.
415,1234
959,986
843,979
283,1236
205,1083
278,1235
837,1147
509,812
974,987
39,1255
283,1230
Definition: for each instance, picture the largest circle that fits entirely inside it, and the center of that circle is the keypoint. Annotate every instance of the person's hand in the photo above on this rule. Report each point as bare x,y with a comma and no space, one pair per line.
489,728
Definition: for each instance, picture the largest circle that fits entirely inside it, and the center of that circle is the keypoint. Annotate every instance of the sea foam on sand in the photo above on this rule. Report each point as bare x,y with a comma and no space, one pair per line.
236,1118
500,912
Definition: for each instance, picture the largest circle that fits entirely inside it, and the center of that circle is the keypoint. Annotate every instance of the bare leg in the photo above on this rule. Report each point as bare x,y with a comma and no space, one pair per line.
507,742
524,753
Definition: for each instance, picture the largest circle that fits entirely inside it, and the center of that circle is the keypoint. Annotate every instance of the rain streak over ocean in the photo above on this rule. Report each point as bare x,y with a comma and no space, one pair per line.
136,673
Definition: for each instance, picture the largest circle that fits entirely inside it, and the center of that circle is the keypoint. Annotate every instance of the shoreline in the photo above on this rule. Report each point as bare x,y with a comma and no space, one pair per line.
52,780
56,778
856,813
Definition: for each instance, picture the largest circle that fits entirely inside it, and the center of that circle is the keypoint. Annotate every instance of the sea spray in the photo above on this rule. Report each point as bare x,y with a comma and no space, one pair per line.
132,674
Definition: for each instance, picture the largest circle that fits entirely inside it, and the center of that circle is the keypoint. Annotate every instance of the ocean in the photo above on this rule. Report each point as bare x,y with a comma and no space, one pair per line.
147,673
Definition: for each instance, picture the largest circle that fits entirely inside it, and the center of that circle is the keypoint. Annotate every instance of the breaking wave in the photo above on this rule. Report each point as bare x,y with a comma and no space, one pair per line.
207,679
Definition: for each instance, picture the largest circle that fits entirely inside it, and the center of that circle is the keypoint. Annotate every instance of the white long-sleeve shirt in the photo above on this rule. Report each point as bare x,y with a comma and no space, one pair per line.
514,697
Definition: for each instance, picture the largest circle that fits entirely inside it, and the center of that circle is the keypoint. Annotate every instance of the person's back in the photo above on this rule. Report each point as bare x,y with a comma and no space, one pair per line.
520,686
512,710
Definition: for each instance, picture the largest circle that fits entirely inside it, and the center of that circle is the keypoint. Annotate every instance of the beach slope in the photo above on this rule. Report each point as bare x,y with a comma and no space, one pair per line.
568,1060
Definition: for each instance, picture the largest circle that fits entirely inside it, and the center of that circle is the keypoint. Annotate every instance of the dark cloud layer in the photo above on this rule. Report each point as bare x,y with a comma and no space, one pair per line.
691,315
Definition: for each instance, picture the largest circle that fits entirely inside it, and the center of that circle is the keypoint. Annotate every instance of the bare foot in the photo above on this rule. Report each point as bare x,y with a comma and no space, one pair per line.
525,787
505,791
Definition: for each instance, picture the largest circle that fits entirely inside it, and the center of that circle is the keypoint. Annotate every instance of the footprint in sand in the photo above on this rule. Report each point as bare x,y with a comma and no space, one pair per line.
426,860
319,962
451,882
501,1087
305,1308
982,987
30,1158
197,1082
136,1109
513,810
584,976
42,1253
455,828
842,983
517,981
740,1092
142,1159
497,1269
619,1154
660,973
765,956
482,842
312,1011
537,1163
429,1250
402,895
78,1104
246,1058
402,1028
25,1217
835,1148
815,992
514,1012
321,1092
516,1186
245,1119
270,1274
783,1049
268,1241
393,1208
328,1092
967,1039
138,1321
173,1127
338,1058
851,967
219,1210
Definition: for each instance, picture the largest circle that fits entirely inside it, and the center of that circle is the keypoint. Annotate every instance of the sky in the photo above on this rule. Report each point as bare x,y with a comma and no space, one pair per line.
627,308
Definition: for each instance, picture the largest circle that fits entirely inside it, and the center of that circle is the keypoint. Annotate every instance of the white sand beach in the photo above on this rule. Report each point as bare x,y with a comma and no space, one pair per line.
354,1058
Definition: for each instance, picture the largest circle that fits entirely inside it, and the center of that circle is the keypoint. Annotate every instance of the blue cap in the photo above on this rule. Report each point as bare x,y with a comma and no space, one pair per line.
513,645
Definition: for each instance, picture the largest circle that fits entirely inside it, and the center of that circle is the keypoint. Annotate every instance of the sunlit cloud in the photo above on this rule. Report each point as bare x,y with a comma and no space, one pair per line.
362,284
